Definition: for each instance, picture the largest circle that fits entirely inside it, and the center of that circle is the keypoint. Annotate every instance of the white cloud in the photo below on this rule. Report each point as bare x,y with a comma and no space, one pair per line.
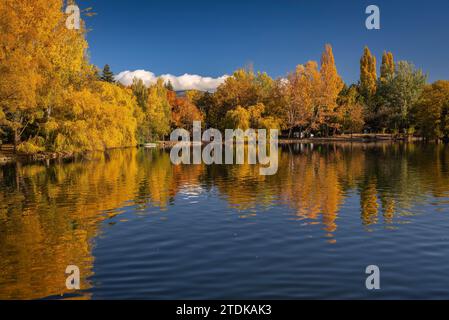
180,83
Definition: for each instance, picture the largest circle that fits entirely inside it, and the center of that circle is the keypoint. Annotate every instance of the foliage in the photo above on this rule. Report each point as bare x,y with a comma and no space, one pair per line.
238,118
331,85
401,93
52,99
302,89
368,74
432,111
350,110
107,75
158,115
184,113
141,92
39,58
94,119
32,146
169,86
387,68
244,89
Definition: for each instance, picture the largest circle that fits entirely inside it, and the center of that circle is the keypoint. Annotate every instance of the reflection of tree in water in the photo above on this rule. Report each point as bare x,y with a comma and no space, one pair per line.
49,215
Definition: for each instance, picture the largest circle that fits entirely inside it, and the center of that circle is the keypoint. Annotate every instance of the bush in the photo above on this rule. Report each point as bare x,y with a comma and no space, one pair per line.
32,146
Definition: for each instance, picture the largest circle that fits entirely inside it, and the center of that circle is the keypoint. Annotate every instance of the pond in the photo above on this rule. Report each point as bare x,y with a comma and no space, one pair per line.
139,227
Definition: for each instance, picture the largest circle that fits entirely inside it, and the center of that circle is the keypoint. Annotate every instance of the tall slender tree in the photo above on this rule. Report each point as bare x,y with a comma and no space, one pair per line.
387,68
368,75
331,86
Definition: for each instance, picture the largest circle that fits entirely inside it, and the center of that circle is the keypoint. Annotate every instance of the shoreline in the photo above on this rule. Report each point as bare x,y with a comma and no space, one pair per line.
7,156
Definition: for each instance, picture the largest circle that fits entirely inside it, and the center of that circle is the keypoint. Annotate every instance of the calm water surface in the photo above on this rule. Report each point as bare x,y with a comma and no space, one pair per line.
139,227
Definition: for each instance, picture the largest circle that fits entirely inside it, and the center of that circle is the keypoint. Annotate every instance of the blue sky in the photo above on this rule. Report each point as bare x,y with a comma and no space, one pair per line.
213,38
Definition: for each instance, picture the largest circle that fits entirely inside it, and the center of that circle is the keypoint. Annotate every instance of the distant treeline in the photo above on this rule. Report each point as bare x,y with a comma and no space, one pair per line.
53,99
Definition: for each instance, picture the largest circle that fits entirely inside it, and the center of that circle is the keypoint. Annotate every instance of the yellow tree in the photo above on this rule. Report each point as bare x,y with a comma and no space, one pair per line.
387,67
158,114
331,86
368,74
238,118
260,120
39,59
95,118
350,110
432,111
302,90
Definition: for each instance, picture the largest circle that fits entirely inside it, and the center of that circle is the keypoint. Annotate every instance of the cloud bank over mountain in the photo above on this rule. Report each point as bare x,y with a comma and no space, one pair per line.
180,83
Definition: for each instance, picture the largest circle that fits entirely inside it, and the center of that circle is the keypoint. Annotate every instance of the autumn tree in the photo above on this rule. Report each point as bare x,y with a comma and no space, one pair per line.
432,111
184,113
238,118
368,87
39,59
95,118
158,115
302,92
368,75
141,92
260,119
206,103
350,110
387,68
245,89
331,85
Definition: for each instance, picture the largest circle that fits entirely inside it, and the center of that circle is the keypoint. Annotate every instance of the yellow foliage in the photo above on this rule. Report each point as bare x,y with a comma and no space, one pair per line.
238,118
98,120
32,146
158,115
368,74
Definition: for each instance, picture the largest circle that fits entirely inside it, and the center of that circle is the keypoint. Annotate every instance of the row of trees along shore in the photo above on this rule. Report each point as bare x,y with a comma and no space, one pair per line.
52,99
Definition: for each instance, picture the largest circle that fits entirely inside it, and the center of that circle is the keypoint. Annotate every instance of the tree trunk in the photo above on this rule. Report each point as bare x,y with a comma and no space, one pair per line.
16,139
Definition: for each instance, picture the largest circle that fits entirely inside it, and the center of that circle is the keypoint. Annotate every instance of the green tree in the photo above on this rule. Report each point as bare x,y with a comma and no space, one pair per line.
169,86
107,75
141,92
401,93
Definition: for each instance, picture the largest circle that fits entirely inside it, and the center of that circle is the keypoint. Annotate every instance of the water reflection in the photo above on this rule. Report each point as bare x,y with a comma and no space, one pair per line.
50,216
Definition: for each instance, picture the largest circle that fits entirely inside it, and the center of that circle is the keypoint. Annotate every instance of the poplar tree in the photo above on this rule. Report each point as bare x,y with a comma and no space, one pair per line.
368,75
331,86
159,111
387,68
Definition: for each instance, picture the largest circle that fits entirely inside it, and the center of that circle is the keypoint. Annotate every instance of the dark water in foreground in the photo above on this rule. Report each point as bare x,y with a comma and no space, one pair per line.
139,227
